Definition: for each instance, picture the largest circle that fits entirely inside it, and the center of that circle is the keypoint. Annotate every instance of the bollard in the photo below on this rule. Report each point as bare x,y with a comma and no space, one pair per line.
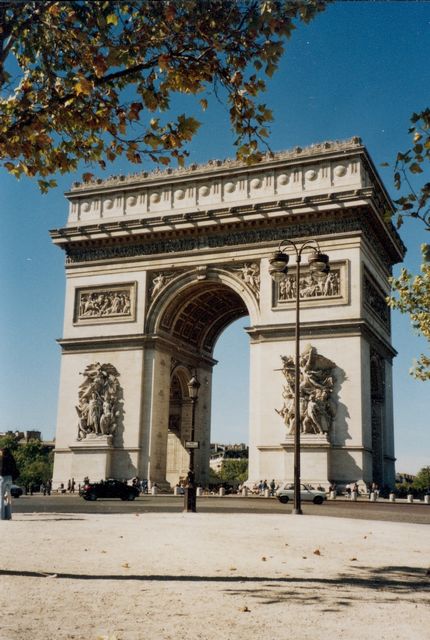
199,491
392,497
154,490
427,499
410,497
354,496
372,497
332,495
221,491
245,492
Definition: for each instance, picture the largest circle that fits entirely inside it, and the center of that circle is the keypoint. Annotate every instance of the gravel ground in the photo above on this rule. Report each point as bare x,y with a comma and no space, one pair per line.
159,576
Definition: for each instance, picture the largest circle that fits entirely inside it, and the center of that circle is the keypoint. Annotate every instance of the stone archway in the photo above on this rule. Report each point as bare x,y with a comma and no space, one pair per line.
186,319
158,265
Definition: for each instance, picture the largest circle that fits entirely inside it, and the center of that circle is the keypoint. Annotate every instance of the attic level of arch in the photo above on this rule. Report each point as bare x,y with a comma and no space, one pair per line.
301,207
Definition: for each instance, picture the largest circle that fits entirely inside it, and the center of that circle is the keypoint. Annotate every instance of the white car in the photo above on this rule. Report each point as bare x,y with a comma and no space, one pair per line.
307,493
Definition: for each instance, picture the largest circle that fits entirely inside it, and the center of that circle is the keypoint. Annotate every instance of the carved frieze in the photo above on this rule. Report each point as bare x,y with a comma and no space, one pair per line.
315,288
99,403
317,406
113,303
228,238
375,302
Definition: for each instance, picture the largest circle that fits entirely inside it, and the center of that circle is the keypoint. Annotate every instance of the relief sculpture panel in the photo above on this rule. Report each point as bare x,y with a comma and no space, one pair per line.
315,288
99,405
317,406
114,303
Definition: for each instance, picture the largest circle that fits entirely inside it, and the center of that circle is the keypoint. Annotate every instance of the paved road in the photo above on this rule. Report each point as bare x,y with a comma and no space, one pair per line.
363,509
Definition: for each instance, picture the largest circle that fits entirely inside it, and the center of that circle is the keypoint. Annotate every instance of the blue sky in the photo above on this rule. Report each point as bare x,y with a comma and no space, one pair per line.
360,68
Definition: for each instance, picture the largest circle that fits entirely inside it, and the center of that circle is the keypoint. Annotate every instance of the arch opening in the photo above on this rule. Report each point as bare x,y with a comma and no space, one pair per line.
199,314
193,318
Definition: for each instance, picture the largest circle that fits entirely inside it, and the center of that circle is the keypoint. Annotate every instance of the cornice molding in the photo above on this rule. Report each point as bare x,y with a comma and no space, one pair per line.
217,167
324,329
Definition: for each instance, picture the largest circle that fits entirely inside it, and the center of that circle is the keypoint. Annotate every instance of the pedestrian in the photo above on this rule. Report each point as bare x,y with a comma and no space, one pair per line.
69,485
72,485
272,487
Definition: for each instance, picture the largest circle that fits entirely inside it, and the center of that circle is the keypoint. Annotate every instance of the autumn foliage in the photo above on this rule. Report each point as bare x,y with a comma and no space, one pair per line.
93,80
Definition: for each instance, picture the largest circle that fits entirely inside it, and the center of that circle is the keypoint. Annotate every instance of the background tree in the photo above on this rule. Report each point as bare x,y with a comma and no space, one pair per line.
33,458
233,471
89,80
411,293
422,479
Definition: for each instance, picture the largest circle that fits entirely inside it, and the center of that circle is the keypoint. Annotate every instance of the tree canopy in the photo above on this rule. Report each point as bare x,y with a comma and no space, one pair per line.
233,471
90,80
33,459
415,203
411,293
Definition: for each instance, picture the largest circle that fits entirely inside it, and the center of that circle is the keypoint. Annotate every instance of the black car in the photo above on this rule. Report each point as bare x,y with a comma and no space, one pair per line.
109,489
16,491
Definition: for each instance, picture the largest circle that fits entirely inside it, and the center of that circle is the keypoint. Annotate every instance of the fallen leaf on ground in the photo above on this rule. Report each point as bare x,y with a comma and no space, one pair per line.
233,569
125,565
245,609
317,552
264,558
353,559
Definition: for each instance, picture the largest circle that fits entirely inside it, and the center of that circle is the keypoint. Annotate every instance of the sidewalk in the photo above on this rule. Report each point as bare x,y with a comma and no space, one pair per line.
212,576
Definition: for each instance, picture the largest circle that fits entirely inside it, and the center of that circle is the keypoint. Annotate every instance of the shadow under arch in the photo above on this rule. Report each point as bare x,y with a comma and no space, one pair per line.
196,306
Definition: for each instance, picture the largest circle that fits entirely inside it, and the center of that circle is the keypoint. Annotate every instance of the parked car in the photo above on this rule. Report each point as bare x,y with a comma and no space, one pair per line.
16,491
307,493
109,489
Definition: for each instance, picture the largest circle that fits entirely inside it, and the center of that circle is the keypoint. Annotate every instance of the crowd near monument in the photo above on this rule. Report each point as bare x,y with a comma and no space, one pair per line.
159,264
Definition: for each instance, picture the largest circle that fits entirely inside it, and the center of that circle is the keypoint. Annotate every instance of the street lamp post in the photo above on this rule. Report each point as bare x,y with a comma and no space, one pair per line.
319,263
190,489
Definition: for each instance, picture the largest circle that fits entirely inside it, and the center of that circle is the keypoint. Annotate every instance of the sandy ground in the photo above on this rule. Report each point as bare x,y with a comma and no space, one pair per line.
206,576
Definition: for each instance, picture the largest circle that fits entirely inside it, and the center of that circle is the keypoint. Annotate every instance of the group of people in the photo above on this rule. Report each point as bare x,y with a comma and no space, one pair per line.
353,487
141,485
261,487
44,487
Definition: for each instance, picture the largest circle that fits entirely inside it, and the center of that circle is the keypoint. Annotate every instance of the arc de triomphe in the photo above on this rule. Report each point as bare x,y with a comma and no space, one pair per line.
157,265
